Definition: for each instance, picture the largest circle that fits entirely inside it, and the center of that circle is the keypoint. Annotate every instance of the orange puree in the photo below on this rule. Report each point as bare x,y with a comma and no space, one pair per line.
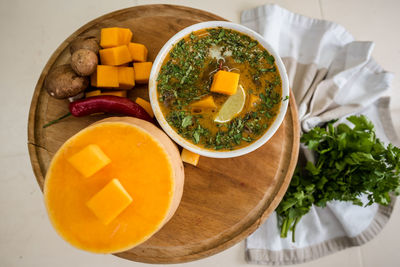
143,167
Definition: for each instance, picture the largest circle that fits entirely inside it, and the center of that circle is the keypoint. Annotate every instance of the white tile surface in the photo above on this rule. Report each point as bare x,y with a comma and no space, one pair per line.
230,9
383,250
32,30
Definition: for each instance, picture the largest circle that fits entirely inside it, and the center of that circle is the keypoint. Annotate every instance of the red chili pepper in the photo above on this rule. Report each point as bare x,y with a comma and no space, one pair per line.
108,104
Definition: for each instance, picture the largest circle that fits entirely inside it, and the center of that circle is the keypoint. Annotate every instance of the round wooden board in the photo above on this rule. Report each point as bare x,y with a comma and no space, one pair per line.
224,200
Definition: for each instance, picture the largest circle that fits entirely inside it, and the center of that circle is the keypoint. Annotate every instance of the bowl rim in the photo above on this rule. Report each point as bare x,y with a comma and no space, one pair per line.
182,141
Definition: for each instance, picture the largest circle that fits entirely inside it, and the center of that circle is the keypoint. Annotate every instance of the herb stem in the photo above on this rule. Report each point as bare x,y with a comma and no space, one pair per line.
294,228
57,120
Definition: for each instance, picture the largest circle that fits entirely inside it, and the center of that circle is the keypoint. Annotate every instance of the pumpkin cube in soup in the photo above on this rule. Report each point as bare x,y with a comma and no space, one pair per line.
138,52
109,202
89,160
126,78
190,157
146,105
205,103
142,71
111,37
105,76
225,82
115,56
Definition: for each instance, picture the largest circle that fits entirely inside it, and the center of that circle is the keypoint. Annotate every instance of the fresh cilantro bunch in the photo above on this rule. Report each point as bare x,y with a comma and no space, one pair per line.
349,162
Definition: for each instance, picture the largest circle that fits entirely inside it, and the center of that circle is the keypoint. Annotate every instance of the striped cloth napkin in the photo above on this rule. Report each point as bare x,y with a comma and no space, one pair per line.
332,76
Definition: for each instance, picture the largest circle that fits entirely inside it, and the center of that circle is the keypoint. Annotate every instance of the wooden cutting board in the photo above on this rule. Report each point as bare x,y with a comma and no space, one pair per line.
224,200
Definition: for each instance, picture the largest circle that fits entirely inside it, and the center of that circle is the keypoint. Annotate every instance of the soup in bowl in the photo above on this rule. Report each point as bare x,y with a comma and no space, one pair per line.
219,89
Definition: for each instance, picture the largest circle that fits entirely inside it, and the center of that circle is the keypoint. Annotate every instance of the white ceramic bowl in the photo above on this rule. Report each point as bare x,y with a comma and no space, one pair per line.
179,139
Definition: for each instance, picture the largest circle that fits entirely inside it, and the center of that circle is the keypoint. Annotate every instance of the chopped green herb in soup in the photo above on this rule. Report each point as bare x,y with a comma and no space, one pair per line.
201,98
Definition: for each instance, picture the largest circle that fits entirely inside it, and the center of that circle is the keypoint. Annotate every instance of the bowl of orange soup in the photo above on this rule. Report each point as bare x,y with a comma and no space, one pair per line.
113,185
219,89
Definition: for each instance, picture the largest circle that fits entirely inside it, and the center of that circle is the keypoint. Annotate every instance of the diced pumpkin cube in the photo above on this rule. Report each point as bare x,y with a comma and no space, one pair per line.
190,157
116,93
142,71
111,37
89,160
253,100
105,76
225,82
205,103
93,93
115,56
138,52
126,78
125,35
98,92
109,202
146,105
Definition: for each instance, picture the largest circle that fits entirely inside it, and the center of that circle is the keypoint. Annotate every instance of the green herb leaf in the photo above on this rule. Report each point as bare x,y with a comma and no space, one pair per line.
196,137
252,44
186,121
349,162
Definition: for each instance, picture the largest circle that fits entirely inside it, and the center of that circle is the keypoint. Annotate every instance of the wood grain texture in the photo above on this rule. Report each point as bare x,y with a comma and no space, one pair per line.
224,200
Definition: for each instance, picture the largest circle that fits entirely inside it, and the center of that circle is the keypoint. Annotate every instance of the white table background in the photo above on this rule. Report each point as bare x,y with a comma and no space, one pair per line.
31,30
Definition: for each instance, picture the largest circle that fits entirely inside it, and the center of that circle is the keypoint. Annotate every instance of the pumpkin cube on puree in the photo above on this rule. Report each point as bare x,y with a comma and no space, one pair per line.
89,160
115,56
111,37
225,82
190,157
126,78
206,103
142,71
146,105
138,52
109,202
105,76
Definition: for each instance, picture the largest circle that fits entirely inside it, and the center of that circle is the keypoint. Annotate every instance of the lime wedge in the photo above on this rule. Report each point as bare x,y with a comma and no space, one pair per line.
232,106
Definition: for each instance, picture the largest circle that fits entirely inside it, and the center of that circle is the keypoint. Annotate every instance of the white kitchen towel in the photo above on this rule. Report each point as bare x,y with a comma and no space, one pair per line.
332,76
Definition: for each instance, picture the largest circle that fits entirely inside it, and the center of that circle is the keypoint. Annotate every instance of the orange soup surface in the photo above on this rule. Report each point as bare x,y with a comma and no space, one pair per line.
142,167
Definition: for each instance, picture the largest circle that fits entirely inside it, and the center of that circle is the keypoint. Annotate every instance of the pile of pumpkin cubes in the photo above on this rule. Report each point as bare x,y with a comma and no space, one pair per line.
122,63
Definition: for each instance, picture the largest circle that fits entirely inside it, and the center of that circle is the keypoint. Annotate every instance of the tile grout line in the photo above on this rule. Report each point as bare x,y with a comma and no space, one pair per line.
360,256
320,9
